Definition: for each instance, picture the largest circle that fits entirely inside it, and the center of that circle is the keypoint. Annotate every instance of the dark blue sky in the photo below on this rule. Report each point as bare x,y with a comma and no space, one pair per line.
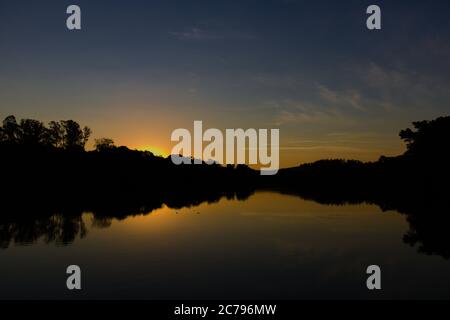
139,69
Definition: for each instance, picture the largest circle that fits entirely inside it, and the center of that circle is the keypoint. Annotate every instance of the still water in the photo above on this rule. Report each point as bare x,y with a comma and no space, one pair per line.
270,246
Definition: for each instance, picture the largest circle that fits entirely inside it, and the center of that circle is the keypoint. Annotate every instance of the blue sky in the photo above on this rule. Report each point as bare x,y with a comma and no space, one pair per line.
139,69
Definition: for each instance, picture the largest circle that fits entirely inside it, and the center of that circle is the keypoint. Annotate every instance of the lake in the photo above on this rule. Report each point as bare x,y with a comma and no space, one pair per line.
269,246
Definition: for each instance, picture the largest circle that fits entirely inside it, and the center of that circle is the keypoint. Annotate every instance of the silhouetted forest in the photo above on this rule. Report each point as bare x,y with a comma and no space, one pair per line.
49,180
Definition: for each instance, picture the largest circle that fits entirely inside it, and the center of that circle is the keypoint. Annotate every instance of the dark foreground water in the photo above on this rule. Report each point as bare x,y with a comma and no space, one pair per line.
268,246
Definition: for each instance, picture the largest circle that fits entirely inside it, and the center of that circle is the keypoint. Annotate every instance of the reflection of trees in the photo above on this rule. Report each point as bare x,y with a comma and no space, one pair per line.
427,215
64,227
430,236
427,218
59,229
101,222
429,231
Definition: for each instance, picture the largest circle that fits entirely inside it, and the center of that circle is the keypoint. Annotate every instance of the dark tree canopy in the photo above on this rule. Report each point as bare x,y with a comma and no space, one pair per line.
55,134
32,132
74,137
11,129
104,144
65,134
428,139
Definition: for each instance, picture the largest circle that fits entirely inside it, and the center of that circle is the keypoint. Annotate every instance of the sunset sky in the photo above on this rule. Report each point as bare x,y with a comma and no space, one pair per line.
140,69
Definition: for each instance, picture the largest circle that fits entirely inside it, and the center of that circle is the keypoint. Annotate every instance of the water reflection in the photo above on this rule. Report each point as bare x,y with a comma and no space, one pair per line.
230,246
27,224
59,229
429,233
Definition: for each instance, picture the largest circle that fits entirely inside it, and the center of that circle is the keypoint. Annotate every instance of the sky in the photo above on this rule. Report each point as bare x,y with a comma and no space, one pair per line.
140,69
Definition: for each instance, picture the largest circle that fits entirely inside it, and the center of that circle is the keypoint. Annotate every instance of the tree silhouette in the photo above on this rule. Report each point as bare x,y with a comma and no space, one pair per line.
11,129
55,134
86,134
3,137
104,144
63,134
429,139
75,138
32,132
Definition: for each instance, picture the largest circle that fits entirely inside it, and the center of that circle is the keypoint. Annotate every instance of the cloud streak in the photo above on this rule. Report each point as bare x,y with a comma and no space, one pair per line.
204,34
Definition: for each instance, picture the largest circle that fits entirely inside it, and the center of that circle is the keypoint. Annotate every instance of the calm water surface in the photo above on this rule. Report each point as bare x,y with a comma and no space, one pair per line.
268,246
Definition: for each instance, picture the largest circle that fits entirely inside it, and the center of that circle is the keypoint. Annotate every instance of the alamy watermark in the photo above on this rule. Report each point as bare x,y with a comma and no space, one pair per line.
374,280
73,281
73,21
236,146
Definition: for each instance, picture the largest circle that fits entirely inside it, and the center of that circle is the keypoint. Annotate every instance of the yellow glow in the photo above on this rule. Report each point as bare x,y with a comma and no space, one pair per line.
157,151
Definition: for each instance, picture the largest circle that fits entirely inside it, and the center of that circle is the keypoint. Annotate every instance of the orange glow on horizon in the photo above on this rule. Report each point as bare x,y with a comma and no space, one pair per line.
157,151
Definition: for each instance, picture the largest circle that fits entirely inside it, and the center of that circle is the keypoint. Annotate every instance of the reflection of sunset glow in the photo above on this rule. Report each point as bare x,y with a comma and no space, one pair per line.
167,219
263,212
156,221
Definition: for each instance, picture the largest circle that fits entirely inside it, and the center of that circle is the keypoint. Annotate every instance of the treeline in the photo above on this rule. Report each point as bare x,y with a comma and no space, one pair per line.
65,134
49,163
420,174
53,157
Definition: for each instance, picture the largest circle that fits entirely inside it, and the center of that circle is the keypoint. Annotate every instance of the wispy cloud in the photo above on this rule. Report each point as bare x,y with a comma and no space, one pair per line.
367,92
351,98
204,34
194,34
368,143
404,89
326,106
301,115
